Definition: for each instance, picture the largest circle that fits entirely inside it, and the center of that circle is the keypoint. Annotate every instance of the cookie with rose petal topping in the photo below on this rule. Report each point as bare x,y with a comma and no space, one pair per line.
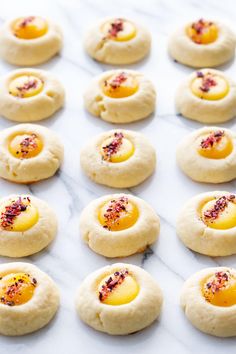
119,299
208,299
29,40
117,41
119,225
202,43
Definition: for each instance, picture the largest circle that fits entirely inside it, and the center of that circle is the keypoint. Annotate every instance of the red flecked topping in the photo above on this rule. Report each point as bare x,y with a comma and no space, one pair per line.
219,282
26,21
115,208
28,144
212,139
207,81
116,279
27,86
117,81
219,206
113,147
14,289
12,211
200,25
116,27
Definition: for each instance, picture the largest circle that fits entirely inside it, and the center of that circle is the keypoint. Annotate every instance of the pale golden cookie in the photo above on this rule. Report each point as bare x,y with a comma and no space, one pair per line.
29,153
208,155
120,96
27,225
207,223
119,299
202,43
118,158
117,41
29,40
29,299
28,95
119,225
207,96
208,299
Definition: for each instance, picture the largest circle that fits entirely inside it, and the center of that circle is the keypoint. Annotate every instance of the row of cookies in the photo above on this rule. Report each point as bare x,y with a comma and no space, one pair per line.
117,299
117,158
33,40
117,96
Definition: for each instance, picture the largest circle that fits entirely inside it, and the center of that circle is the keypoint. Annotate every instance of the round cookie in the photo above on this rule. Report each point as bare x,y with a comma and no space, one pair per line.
119,225
119,299
120,96
28,95
29,299
209,302
117,41
29,153
27,225
202,43
208,155
207,223
207,96
30,40
118,158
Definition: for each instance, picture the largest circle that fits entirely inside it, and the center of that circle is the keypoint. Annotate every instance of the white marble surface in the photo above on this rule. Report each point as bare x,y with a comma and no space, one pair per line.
68,260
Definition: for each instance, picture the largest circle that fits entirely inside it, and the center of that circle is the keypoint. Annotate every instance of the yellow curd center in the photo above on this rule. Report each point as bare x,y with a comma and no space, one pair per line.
119,30
216,145
16,289
209,86
18,214
25,146
202,32
120,85
30,27
220,213
118,214
118,289
25,86
220,289
117,148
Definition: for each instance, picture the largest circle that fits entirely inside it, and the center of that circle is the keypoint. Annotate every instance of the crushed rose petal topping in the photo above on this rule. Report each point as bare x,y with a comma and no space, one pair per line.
219,206
207,81
117,81
220,281
15,289
26,21
113,281
115,208
200,27
113,147
212,139
28,144
116,27
15,208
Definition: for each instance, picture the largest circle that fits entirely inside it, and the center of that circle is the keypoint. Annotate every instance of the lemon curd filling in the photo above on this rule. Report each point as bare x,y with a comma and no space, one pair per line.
216,145
220,289
202,32
25,86
18,214
120,85
220,213
25,146
118,289
16,288
117,148
30,27
118,214
209,86
119,30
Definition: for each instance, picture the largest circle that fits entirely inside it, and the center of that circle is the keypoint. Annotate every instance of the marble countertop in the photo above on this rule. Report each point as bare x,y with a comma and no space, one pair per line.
68,260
